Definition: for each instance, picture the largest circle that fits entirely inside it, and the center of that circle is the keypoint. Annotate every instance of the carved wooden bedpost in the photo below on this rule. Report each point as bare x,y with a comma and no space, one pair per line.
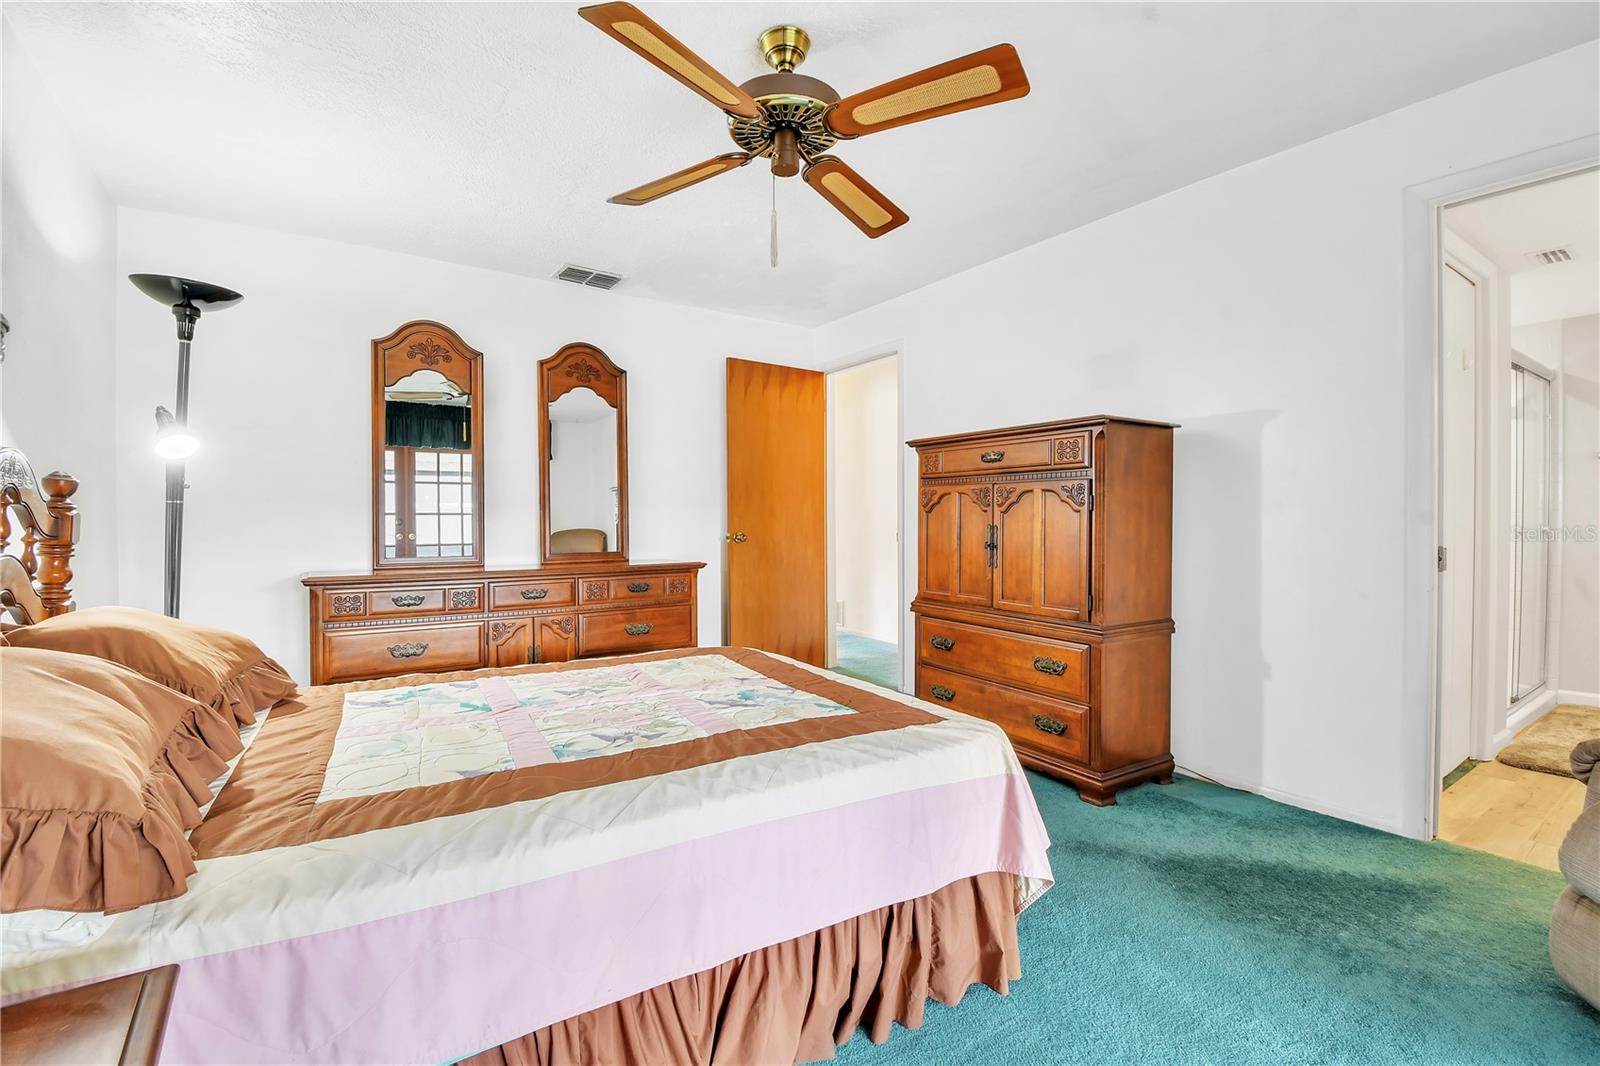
55,553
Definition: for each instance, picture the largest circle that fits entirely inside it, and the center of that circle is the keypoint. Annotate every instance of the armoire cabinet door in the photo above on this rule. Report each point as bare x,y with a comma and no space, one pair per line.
1042,556
955,544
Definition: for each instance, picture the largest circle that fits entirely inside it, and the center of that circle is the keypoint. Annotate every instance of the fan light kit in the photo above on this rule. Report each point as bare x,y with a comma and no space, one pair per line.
794,120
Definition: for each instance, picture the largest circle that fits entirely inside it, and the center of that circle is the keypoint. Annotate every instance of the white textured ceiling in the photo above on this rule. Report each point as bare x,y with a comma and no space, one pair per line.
1510,226
491,134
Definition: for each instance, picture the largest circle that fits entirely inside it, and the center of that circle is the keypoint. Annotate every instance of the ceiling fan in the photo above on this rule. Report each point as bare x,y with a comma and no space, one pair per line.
794,119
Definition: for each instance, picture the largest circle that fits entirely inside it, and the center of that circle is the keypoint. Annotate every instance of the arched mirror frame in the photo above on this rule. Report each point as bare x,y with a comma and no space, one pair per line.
425,345
580,365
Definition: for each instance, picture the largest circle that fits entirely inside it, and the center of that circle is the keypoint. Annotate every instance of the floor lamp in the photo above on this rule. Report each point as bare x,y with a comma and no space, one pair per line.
174,443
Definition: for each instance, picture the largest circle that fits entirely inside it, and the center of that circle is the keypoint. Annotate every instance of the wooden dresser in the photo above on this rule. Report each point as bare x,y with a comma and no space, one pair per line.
1044,592
367,625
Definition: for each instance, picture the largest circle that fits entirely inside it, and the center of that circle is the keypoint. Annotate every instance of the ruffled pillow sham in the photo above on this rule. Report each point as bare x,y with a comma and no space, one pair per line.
102,772
220,669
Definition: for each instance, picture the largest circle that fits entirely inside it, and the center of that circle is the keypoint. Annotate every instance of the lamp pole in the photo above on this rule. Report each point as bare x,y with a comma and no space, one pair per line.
187,299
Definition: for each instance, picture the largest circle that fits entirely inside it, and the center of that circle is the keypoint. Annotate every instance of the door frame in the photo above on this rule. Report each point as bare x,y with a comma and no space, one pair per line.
1422,230
903,472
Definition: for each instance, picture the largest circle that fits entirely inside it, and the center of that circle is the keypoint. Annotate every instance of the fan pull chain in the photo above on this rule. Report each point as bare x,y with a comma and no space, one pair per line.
774,221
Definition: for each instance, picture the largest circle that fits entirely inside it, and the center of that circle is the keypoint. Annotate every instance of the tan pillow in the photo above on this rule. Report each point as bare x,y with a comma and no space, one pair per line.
101,772
218,668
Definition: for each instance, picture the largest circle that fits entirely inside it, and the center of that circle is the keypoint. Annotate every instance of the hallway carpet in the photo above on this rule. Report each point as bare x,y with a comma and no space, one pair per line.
867,659
1195,924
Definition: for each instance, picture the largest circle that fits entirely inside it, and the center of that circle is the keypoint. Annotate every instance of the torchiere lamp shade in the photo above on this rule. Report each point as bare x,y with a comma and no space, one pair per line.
174,291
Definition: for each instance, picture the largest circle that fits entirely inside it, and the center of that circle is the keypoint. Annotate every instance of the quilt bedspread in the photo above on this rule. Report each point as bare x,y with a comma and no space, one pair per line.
416,869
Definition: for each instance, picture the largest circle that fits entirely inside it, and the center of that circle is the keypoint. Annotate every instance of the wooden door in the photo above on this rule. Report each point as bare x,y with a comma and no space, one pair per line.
1042,548
777,516
954,557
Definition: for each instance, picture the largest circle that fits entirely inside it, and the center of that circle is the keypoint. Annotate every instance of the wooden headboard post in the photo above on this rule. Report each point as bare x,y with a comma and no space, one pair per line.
37,583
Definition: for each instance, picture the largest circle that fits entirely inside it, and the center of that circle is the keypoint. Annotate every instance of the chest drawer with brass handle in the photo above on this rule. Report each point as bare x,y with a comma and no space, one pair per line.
413,601
535,594
638,629
1028,718
1054,667
407,599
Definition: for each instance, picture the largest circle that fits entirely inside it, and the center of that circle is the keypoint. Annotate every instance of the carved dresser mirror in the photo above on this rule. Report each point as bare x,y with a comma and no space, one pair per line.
427,448
583,462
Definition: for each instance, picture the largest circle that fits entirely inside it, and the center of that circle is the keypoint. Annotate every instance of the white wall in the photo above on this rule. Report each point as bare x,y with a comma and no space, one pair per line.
57,277
1263,309
1579,655
864,411
279,398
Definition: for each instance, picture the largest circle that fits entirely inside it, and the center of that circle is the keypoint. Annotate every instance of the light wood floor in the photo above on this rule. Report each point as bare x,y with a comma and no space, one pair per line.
1517,814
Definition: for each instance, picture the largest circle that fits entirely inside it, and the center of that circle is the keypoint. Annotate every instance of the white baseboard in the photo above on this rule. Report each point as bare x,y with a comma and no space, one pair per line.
1305,803
1527,712
862,633
1578,699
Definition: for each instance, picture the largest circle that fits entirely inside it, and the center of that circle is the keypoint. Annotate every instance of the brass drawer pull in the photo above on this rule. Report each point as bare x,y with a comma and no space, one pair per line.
408,651
991,457
1054,726
638,586
1053,667
942,643
942,693
535,594
637,629
406,600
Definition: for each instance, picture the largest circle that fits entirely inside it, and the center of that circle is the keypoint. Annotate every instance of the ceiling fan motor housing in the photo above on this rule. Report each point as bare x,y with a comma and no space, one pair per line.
788,101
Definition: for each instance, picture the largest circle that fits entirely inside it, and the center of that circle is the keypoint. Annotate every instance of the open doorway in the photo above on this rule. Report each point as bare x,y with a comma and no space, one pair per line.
1519,553
864,461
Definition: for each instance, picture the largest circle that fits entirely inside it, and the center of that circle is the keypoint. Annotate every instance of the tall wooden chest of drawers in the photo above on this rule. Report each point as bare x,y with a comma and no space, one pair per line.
1044,592
369,625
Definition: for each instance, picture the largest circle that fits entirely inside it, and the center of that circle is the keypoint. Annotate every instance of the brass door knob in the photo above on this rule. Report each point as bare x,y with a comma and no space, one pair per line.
737,538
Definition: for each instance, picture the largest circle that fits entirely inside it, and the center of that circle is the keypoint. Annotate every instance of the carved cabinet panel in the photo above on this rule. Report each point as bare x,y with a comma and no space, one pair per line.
954,525
555,638
1042,549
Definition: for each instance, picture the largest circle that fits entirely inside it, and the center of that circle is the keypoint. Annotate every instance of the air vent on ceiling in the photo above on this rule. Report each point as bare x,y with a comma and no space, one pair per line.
595,279
1550,256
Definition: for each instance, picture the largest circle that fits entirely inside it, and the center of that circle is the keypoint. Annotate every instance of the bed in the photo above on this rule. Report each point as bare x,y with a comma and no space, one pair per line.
709,855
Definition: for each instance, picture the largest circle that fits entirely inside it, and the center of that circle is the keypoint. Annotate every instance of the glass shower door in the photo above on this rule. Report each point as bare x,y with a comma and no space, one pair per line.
1533,518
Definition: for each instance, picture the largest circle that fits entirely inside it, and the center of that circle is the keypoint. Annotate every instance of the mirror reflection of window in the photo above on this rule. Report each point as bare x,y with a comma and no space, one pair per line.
427,468
583,473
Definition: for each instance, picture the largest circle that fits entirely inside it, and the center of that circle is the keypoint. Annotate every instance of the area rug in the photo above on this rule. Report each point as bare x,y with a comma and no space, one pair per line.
1194,924
1546,745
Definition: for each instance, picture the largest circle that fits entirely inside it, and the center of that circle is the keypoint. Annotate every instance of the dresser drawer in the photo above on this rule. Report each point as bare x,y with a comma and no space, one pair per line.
360,653
1057,667
382,603
1029,719
504,595
649,629
1008,456
638,587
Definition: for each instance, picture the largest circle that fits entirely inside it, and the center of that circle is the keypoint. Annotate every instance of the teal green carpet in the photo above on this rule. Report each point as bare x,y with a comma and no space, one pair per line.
1194,924
867,659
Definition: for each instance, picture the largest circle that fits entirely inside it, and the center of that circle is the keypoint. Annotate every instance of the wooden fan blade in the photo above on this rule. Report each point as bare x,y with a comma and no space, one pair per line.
983,78
872,212
628,24
682,179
